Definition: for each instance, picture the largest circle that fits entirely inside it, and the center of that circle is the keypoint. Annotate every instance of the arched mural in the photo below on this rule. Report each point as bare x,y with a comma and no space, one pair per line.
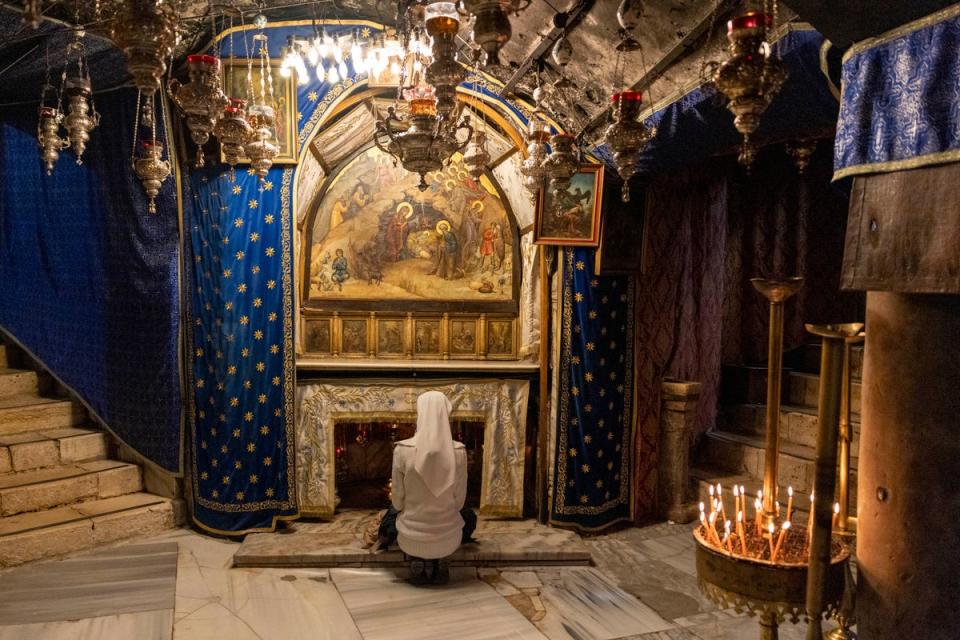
377,242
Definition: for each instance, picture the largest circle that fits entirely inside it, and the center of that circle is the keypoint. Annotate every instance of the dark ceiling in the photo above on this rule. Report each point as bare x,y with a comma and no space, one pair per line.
678,36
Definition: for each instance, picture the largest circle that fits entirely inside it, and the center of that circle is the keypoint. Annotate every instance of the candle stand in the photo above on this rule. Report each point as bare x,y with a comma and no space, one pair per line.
761,565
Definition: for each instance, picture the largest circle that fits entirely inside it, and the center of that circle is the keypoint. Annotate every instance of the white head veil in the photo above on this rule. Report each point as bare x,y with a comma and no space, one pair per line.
434,460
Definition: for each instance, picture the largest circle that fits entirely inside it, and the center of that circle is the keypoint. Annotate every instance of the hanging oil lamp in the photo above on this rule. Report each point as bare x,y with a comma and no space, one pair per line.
146,32
152,170
629,14
562,163
233,131
476,158
751,77
48,137
48,125
79,121
801,151
627,136
444,74
260,149
532,167
491,24
201,100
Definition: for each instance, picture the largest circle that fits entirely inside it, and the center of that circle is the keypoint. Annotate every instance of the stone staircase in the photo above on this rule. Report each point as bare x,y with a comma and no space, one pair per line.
733,453
59,490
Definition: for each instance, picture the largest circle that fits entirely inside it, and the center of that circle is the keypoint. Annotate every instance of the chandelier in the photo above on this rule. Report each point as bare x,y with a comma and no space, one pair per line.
750,77
627,136
329,56
426,139
201,100
532,167
233,131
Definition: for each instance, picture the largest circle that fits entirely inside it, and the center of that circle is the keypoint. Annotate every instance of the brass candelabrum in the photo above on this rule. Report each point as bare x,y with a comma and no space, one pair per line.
777,292
765,565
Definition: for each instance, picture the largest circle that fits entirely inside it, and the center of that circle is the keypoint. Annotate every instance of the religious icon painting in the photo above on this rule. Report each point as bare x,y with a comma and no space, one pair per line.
376,242
390,338
284,102
317,337
426,337
463,338
500,339
571,217
353,337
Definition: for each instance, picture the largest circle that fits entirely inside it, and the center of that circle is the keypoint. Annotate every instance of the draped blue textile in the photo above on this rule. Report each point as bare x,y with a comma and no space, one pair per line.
901,99
241,339
89,279
595,415
240,251
697,125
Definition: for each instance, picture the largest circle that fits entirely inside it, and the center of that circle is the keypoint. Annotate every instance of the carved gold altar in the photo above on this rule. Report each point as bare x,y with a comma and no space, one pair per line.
500,404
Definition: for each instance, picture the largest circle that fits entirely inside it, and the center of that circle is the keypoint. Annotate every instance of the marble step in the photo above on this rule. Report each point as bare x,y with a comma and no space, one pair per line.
21,413
25,491
38,449
803,389
744,454
798,424
15,382
56,532
807,358
702,478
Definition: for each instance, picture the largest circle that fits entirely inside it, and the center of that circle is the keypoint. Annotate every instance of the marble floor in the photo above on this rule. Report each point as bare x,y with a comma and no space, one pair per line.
338,543
642,587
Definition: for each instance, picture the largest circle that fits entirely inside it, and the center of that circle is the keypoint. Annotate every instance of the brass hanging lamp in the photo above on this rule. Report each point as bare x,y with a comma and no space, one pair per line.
751,76
201,100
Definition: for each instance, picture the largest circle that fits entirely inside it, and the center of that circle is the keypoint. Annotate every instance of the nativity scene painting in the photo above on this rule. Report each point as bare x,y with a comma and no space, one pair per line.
380,243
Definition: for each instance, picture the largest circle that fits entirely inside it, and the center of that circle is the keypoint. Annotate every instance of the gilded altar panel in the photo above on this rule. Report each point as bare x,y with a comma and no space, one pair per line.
500,404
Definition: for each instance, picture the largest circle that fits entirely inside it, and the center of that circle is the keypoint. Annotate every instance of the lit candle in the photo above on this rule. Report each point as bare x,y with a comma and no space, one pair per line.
736,498
713,529
770,530
810,521
789,502
726,537
759,507
783,534
836,514
743,542
723,512
777,507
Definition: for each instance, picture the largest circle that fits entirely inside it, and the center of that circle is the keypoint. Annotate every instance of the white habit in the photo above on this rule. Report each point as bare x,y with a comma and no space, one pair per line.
430,483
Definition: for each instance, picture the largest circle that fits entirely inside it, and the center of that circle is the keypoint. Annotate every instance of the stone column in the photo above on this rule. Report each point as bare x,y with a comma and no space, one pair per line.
908,546
678,409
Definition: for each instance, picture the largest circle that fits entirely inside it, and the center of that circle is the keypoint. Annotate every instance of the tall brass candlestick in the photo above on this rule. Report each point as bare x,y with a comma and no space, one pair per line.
828,418
777,292
846,433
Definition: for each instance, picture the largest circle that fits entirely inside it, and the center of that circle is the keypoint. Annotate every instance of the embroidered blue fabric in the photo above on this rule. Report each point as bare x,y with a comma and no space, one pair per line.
901,99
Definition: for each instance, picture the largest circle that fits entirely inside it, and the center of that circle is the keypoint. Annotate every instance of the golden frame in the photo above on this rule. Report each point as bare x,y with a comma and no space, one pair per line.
417,345
382,334
457,345
285,98
544,200
504,349
351,325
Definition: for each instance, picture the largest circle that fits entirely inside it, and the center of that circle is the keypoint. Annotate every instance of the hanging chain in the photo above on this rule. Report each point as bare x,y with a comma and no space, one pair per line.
136,125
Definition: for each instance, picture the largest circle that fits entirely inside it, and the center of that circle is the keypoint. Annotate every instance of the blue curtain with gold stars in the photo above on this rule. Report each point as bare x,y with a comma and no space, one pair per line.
89,280
595,414
241,340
